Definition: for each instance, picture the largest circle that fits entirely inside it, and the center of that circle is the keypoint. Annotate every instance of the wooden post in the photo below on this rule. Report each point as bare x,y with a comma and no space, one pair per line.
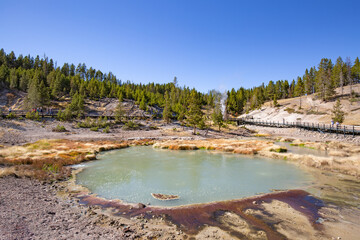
353,131
344,131
337,126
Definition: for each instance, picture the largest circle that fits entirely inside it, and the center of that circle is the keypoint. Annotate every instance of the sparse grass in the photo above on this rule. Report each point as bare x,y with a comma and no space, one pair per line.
312,112
39,145
59,128
301,145
92,123
261,135
279,150
131,125
95,129
153,127
247,129
290,110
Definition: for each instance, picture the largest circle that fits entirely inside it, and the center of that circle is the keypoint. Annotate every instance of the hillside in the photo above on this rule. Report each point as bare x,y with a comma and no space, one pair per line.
312,109
14,99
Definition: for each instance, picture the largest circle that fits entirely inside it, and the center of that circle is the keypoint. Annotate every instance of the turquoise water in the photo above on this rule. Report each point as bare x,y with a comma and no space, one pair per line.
132,174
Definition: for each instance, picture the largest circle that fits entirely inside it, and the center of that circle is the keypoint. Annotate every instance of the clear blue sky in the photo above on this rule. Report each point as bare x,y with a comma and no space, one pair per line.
207,44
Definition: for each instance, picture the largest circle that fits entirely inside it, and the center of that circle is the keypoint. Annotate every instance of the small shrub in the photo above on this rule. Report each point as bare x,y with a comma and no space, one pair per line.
64,115
153,127
87,123
95,129
315,112
11,115
59,128
174,129
32,116
130,125
90,123
106,130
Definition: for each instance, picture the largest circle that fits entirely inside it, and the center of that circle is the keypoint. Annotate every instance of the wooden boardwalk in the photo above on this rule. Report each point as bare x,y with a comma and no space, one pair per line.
53,114
322,128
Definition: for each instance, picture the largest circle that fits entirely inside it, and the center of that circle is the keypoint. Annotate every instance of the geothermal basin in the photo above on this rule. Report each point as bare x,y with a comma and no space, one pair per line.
199,176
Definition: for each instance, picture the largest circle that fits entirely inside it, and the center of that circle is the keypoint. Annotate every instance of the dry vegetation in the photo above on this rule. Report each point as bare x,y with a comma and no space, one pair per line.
47,159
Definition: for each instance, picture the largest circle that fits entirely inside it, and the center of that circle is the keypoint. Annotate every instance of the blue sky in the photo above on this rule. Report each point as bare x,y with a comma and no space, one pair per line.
207,44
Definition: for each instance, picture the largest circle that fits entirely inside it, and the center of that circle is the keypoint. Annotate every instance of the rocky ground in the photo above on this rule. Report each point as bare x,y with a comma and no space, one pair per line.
17,132
305,135
32,210
312,110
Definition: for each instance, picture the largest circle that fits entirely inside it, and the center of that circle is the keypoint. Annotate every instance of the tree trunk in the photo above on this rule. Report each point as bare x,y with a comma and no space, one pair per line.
194,131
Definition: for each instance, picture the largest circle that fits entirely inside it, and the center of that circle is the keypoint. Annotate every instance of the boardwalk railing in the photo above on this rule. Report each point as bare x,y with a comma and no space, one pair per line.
322,128
53,114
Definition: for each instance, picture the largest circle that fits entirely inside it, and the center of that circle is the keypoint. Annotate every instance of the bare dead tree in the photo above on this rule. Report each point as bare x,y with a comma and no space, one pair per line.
342,82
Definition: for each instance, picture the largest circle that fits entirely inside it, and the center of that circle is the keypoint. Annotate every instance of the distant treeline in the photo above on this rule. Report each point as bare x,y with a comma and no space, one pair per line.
44,81
322,80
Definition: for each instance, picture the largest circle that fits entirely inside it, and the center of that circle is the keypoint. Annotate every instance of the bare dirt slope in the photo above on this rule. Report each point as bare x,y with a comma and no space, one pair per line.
312,109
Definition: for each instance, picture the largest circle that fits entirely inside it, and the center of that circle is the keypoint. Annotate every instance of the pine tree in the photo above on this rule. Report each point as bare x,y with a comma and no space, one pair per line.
44,94
181,114
217,115
195,115
119,112
355,70
336,72
120,96
77,104
299,89
14,82
324,84
275,102
34,98
338,113
348,75
24,81
4,72
167,110
341,82
142,105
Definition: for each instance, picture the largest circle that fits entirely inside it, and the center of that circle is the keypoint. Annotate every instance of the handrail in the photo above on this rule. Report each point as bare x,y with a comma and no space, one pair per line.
322,128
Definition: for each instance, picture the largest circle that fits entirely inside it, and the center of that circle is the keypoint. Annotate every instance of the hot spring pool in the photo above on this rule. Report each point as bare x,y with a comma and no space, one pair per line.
133,173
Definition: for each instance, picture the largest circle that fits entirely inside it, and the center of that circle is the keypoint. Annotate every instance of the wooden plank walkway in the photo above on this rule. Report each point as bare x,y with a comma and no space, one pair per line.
317,127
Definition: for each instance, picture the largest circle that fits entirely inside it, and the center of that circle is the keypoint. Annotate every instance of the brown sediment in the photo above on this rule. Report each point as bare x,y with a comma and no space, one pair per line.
193,218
